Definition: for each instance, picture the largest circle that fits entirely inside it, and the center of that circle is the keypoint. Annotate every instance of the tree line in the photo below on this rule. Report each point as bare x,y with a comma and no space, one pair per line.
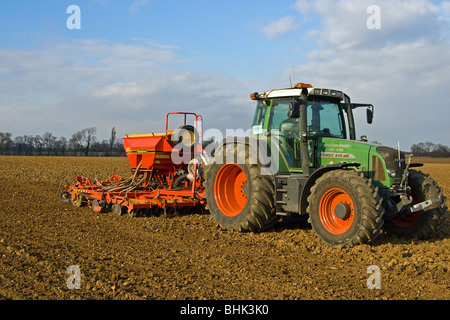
429,149
84,143
81,143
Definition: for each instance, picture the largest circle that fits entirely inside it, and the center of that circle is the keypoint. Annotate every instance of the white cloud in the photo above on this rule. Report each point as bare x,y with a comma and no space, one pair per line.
279,27
402,68
65,87
344,22
123,90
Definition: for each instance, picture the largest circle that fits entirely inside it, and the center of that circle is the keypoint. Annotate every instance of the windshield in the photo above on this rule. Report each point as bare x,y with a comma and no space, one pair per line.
323,118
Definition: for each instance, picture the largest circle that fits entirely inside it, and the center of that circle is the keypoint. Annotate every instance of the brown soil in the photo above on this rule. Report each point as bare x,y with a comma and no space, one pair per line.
187,257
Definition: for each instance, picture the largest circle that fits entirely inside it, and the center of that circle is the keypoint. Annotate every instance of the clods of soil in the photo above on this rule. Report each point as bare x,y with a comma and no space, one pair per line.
187,257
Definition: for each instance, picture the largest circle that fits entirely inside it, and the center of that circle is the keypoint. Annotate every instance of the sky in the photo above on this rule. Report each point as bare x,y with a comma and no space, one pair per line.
131,62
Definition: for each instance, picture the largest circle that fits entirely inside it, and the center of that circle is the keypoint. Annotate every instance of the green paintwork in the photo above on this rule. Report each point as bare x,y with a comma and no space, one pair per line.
324,151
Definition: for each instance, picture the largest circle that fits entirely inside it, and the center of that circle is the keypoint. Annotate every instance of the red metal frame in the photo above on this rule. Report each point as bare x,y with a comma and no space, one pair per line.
154,176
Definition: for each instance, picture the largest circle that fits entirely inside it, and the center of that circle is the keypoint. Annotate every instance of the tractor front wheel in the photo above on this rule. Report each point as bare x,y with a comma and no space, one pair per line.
422,224
345,208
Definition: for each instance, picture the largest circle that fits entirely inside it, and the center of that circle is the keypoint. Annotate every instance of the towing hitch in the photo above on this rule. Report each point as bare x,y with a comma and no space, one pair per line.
405,208
425,204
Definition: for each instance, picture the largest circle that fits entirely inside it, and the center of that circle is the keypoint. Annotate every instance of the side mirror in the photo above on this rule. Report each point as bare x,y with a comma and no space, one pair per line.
369,113
294,109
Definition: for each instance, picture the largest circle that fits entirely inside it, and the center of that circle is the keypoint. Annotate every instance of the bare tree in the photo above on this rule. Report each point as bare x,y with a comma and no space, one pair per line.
76,142
112,140
38,143
19,143
89,138
5,141
49,141
29,144
61,146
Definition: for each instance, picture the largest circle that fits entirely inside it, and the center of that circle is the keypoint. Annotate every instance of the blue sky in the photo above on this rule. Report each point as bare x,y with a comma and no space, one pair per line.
133,61
222,36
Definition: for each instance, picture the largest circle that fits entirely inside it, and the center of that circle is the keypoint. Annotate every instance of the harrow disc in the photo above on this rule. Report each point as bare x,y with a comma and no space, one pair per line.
78,200
118,209
98,206
64,195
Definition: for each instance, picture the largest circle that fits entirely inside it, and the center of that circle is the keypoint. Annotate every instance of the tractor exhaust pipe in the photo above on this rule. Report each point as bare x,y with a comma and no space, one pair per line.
304,131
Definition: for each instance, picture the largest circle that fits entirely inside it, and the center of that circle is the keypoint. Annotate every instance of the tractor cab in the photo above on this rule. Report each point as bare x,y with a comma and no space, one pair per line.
328,115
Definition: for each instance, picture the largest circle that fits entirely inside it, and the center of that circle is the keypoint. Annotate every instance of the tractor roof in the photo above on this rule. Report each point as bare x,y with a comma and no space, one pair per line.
296,92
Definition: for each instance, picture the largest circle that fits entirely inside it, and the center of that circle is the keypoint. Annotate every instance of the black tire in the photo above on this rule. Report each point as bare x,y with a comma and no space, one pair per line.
345,208
187,136
254,208
426,223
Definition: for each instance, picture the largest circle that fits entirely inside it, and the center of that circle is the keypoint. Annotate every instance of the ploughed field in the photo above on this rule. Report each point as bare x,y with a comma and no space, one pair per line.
186,256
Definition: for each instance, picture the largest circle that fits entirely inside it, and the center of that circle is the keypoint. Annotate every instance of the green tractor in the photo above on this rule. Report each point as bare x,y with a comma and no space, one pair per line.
302,158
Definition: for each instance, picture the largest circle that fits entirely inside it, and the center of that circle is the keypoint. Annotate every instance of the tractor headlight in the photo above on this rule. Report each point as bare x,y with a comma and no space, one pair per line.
392,173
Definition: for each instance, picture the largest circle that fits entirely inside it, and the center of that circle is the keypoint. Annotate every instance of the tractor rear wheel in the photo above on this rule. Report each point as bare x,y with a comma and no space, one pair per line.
422,224
345,208
239,197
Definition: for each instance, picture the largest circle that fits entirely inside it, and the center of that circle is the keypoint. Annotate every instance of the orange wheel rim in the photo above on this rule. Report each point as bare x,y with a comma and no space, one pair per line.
336,211
230,189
